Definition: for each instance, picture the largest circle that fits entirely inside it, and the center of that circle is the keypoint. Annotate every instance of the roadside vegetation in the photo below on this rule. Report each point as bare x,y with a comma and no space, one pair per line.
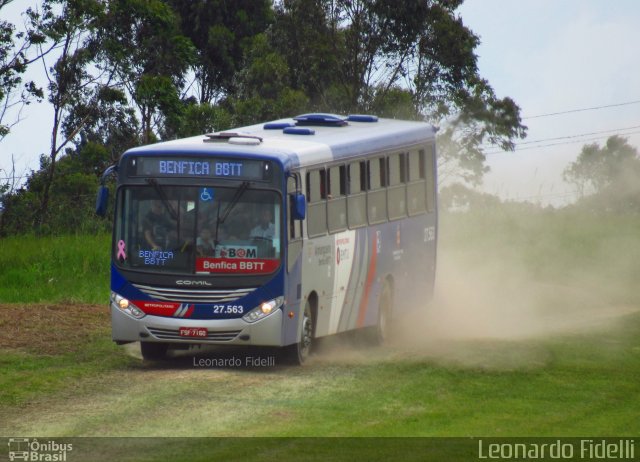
68,268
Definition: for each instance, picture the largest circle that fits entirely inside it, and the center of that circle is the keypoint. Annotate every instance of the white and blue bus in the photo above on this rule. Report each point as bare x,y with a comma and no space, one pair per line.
274,234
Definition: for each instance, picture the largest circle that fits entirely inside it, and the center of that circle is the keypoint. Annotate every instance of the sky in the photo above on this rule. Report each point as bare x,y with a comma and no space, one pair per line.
555,56
550,56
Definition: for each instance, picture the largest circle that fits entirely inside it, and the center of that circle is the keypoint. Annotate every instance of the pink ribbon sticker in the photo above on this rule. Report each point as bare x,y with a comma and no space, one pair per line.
121,250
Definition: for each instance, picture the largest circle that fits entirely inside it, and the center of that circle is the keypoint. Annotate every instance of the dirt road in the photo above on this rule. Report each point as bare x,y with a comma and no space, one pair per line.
200,396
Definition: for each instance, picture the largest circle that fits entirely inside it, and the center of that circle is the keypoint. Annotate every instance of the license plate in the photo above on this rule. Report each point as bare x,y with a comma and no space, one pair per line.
197,332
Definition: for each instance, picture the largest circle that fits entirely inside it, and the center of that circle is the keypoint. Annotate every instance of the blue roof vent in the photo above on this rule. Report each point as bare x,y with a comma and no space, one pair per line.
298,131
277,125
319,119
362,118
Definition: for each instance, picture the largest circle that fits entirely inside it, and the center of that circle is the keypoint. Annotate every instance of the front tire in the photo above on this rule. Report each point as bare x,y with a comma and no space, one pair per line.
298,353
153,351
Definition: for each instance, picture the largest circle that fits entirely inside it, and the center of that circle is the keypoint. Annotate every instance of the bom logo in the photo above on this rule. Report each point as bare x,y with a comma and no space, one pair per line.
238,252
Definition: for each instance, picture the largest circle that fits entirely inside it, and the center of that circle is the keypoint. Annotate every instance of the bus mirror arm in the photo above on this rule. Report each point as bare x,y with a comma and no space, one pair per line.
299,206
102,199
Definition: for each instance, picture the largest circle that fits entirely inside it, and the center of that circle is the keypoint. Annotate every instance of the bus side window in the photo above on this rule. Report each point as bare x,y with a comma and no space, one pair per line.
377,194
357,197
337,195
397,191
417,187
431,178
295,226
316,198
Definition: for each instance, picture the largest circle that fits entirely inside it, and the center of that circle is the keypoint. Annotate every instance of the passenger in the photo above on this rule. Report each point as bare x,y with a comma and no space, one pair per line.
205,243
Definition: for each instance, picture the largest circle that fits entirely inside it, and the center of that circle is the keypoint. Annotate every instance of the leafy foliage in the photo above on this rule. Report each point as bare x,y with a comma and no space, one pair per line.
220,31
140,71
411,59
607,177
142,46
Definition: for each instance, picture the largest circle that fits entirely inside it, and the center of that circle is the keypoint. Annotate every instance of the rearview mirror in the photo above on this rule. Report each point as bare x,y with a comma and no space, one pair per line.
102,201
299,206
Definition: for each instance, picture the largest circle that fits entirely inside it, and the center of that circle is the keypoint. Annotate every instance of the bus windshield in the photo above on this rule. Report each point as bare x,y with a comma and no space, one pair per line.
198,230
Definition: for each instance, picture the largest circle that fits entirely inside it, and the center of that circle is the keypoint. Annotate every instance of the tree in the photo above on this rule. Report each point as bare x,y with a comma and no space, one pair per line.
608,176
220,31
107,120
142,45
67,26
457,197
367,55
306,37
263,90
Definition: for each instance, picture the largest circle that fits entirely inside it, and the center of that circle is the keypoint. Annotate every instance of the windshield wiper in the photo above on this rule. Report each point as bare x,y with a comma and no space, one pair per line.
163,197
232,203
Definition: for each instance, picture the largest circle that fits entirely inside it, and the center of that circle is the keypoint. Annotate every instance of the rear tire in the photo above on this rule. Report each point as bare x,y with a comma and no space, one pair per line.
298,353
153,351
382,331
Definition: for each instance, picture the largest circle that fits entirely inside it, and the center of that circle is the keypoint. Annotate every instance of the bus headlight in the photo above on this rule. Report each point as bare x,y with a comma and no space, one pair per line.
263,310
126,306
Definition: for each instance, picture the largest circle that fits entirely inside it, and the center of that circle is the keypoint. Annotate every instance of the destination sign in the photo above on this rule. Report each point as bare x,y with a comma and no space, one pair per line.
199,167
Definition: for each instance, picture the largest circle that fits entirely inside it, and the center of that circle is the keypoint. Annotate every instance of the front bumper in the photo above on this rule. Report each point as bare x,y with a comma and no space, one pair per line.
265,332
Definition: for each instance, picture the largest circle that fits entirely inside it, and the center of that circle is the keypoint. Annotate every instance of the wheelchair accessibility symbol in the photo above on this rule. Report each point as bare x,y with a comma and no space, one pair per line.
206,194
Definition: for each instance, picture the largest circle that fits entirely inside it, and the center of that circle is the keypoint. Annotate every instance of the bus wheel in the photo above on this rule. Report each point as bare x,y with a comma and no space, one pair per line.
153,351
299,352
382,331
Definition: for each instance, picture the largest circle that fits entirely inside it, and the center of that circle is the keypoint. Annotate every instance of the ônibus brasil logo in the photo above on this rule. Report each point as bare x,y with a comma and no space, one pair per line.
34,450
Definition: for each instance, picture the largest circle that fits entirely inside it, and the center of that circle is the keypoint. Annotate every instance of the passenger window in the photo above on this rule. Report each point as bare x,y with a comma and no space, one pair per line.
337,199
317,205
397,191
356,199
417,187
295,226
431,178
377,195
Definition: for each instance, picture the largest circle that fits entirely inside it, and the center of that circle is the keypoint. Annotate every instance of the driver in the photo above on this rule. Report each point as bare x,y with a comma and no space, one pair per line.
159,229
265,228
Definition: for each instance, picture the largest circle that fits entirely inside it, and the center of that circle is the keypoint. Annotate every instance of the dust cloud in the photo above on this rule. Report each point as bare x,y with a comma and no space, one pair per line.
490,311
497,299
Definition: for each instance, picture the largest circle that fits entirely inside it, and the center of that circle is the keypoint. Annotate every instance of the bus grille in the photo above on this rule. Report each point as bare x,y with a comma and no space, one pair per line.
194,295
174,334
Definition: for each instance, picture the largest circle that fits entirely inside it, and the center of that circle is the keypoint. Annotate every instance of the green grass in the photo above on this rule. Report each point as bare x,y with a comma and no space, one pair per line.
27,376
582,384
50,269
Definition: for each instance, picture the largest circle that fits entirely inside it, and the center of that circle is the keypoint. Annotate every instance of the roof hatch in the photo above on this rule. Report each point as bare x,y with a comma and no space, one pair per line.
319,119
277,125
233,137
298,131
362,118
